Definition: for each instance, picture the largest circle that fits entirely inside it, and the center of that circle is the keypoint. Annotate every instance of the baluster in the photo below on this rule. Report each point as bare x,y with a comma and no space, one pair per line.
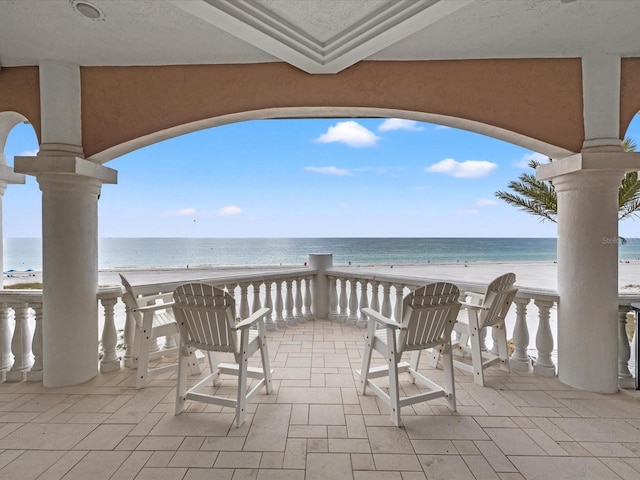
288,303
520,360
375,291
342,301
625,380
20,344
268,302
298,301
543,365
129,335
5,338
244,301
386,300
109,360
333,298
364,302
397,311
279,319
35,374
307,299
353,302
255,304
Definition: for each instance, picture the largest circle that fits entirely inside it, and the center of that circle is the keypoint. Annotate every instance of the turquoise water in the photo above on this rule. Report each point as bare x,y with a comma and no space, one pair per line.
25,253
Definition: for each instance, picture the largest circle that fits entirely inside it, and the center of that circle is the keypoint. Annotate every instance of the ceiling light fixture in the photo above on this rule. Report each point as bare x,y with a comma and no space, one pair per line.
87,10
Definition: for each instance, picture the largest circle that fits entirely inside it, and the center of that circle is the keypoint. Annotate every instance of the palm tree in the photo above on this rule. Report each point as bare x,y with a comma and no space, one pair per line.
539,198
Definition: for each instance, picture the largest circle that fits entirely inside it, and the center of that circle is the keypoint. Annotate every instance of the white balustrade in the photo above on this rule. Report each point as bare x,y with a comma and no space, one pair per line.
6,358
279,306
343,316
543,364
333,298
109,361
353,302
289,316
625,379
364,302
20,343
307,299
268,303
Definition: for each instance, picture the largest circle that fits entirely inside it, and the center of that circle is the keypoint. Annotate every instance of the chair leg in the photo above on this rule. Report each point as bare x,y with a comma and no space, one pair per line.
476,352
394,387
181,386
449,381
366,357
144,346
241,404
500,337
264,356
194,363
413,363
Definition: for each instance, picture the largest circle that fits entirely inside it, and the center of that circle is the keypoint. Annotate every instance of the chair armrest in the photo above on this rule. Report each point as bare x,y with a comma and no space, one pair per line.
378,317
473,306
253,318
153,308
475,297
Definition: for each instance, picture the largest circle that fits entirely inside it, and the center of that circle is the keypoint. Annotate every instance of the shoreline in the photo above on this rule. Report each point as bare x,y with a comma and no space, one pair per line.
531,274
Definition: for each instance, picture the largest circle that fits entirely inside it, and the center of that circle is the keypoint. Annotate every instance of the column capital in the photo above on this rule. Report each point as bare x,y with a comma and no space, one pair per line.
595,160
64,168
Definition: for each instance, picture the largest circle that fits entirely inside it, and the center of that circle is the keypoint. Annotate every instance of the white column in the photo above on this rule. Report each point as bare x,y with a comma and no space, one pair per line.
587,186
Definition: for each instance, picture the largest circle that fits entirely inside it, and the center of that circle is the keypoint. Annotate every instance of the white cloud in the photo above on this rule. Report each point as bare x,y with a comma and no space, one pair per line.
350,133
486,202
329,170
467,169
524,161
399,124
229,210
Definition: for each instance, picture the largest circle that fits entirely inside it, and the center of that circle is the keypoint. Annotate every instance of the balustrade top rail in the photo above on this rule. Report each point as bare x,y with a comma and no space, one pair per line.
414,282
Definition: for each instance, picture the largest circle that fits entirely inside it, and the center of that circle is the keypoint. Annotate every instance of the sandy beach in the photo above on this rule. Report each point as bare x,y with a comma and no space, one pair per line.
528,274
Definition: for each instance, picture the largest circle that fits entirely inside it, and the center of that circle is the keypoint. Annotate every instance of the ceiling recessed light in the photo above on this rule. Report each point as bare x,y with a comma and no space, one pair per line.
87,10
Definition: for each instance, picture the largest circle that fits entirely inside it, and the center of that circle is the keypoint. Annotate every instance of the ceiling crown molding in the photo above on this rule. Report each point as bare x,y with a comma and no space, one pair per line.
365,28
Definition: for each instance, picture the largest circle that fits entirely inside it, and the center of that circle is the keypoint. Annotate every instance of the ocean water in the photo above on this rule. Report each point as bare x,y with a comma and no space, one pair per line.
25,253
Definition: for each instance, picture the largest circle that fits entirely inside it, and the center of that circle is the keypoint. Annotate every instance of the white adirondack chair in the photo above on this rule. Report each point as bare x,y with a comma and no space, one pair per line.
207,321
428,316
483,310
150,325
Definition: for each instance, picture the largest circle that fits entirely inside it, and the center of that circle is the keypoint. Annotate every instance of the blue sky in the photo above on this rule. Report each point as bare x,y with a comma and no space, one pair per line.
305,178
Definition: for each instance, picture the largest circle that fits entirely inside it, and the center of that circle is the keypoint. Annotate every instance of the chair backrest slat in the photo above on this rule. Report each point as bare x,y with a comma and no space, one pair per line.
429,314
206,316
498,298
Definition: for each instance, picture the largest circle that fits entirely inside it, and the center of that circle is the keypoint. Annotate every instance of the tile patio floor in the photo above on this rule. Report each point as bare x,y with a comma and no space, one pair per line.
315,426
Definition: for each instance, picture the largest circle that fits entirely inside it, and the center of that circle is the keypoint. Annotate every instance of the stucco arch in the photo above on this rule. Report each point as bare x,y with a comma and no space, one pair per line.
536,103
333,112
8,120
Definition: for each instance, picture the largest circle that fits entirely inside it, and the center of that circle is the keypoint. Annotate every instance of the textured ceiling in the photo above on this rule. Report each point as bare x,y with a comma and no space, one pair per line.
317,36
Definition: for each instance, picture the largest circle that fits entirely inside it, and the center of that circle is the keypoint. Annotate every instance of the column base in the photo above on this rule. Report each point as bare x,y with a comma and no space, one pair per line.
110,366
627,382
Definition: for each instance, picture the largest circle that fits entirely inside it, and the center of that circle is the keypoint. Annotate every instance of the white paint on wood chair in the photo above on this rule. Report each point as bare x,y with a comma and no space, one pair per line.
481,311
153,319
429,314
207,321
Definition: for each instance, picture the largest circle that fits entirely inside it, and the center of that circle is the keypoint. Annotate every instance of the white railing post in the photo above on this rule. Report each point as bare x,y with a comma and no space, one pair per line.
109,361
342,301
308,312
333,298
397,311
543,364
278,319
5,338
298,301
375,292
386,300
353,301
625,379
255,304
364,302
288,303
268,303
35,374
520,360
21,343
244,300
